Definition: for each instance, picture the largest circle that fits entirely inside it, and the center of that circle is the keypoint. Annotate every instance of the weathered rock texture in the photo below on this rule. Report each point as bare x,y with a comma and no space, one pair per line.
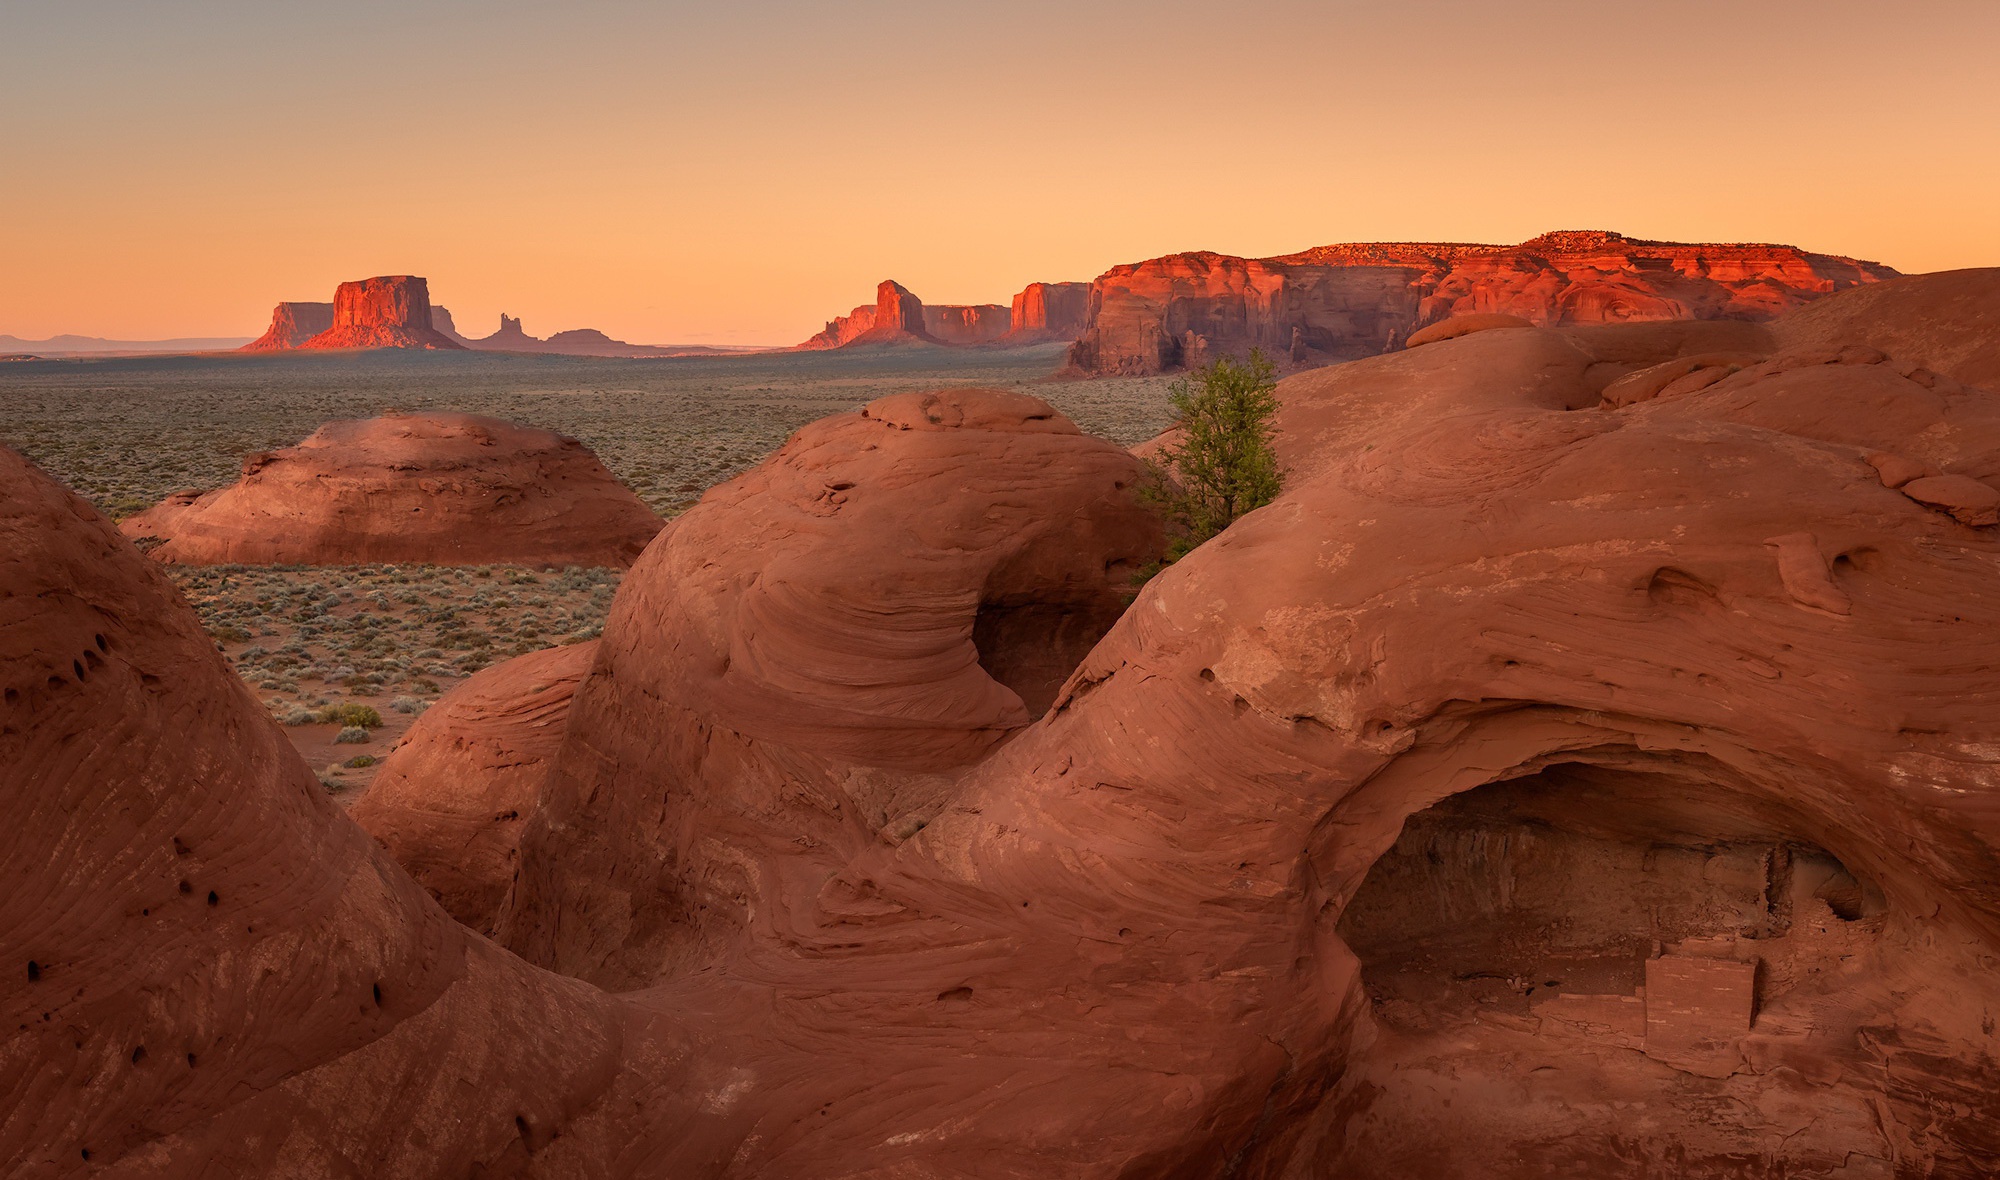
1358,300
467,777
1949,320
212,971
1048,311
392,311
444,488
1042,312
1346,852
292,324
802,632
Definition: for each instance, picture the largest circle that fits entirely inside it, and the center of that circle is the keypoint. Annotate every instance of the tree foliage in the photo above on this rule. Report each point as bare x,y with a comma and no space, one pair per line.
1222,466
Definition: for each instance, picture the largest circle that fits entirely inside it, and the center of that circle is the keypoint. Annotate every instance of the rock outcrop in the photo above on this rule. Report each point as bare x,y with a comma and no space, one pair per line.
443,488
1948,321
1542,785
1348,301
803,631
468,776
292,324
391,311
984,323
1048,311
1042,312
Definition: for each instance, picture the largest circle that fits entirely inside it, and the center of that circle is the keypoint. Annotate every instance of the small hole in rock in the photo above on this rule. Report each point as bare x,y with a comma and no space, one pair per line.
213,899
34,971
139,1054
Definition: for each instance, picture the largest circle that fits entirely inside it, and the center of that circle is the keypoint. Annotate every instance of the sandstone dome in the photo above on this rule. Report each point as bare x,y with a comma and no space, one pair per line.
444,488
456,791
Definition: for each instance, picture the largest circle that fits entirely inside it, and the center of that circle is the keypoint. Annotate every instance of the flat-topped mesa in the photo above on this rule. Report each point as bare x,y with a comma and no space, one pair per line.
292,324
389,311
1340,302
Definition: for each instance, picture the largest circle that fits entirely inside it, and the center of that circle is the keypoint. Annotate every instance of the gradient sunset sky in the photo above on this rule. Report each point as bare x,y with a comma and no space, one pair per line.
740,171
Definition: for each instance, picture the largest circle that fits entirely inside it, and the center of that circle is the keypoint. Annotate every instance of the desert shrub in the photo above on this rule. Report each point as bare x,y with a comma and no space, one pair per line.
300,717
352,734
409,704
1223,465
360,762
352,715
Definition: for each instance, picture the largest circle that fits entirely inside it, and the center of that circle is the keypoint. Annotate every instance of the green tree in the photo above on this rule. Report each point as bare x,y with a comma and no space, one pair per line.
1222,466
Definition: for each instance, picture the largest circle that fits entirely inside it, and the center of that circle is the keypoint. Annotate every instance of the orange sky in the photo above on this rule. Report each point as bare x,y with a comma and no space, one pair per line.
738,173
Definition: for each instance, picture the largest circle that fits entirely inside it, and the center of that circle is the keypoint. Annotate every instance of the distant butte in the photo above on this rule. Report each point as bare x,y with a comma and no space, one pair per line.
573,342
1040,313
389,311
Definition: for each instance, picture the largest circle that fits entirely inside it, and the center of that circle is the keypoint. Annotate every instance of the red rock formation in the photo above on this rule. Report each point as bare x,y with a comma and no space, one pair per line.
212,971
1948,321
392,311
1345,853
1451,329
292,324
446,488
802,630
1045,311
1049,311
981,324
456,792
842,330
1357,300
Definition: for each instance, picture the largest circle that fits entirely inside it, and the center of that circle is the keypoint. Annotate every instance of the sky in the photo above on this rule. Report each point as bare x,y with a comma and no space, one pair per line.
740,171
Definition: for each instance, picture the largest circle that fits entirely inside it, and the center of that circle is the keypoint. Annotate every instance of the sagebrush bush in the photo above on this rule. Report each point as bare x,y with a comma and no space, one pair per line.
352,735
351,715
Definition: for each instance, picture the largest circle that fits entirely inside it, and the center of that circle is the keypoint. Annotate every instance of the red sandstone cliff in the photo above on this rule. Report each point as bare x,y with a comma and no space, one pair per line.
1345,301
981,323
390,311
292,324
1049,311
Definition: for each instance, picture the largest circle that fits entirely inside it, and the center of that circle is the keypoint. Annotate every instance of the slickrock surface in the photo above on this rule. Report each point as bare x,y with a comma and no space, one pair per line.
292,324
807,632
465,780
391,311
212,972
1348,851
1361,299
1948,321
449,489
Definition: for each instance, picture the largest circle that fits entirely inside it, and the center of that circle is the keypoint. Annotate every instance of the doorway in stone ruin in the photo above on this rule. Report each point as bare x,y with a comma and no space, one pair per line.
1567,971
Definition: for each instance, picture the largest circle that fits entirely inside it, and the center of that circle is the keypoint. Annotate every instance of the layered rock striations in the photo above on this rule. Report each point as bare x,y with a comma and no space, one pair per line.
292,324
1577,770
1340,302
1048,311
439,487
391,311
803,633
466,779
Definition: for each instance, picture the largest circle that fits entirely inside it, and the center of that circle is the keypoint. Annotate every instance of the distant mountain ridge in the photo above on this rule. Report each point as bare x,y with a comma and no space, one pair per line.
92,345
